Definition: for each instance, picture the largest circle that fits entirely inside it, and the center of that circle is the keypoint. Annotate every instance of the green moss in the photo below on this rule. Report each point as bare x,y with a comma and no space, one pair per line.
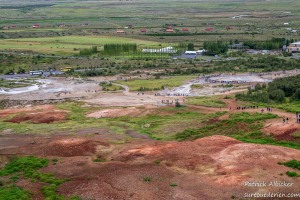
292,174
28,166
13,193
295,164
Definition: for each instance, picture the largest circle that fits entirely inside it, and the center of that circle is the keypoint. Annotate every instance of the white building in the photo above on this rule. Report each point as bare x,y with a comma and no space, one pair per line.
294,47
198,52
163,50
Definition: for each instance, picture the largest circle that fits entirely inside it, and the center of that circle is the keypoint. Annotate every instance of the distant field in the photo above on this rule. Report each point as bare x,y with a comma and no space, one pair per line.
213,101
156,84
67,44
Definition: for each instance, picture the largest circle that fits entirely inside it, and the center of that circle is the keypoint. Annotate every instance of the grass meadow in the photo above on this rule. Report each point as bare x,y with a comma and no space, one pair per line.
67,44
156,84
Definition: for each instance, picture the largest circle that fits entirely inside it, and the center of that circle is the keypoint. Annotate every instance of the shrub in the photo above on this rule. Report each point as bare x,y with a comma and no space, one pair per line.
177,104
13,192
147,179
295,164
292,174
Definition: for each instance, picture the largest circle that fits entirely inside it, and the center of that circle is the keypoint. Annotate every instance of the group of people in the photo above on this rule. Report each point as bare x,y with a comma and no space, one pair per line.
167,101
246,107
178,94
89,91
269,109
285,120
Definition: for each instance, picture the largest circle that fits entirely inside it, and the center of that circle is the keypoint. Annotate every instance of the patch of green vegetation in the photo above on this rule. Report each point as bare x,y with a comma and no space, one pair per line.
241,126
28,167
147,179
213,101
24,164
292,174
13,192
174,120
155,84
295,164
110,87
157,162
54,161
292,107
197,86
173,185
14,178
99,160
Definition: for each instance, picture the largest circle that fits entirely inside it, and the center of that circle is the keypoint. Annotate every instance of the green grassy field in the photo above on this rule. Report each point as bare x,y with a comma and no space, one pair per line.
67,44
156,84
210,101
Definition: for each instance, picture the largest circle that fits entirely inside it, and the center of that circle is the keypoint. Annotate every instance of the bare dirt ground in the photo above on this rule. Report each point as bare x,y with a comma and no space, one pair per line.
127,111
55,88
215,167
36,114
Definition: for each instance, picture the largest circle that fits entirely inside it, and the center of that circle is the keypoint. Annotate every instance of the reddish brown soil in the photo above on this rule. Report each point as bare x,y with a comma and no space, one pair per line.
120,112
215,167
71,147
280,130
36,114
6,112
211,168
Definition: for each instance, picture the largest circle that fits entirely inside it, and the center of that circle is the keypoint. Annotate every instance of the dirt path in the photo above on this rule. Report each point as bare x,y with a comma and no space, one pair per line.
280,127
276,127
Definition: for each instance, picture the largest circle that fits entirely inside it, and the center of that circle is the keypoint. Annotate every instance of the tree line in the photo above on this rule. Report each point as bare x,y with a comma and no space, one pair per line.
215,48
117,49
274,43
280,91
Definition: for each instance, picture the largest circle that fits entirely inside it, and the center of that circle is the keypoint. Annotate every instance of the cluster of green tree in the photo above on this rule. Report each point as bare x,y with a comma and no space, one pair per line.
274,43
20,70
215,48
182,45
90,73
289,86
280,90
186,46
88,51
117,49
